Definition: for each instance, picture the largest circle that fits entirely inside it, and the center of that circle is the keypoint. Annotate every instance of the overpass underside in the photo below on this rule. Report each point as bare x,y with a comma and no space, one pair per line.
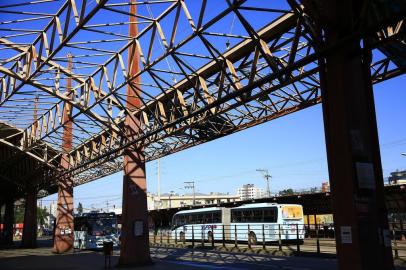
185,73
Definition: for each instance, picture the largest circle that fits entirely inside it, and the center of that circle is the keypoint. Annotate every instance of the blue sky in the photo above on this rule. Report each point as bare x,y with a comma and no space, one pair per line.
292,148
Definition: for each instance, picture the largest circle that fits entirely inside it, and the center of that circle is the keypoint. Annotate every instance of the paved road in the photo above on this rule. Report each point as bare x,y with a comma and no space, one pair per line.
326,246
227,260
165,258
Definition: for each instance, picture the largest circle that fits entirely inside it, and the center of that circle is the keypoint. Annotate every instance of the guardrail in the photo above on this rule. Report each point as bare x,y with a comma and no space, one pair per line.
297,238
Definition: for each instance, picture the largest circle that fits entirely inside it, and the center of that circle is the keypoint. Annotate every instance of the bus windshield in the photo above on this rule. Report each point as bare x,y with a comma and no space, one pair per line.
292,212
96,224
102,226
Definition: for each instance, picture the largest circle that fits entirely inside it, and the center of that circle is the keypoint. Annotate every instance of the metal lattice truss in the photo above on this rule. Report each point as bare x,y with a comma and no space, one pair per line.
207,69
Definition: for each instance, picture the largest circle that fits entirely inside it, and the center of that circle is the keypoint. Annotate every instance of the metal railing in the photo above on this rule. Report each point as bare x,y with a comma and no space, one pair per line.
262,238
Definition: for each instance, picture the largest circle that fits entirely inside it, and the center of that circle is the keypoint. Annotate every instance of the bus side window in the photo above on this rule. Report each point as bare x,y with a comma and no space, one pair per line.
236,216
205,218
270,215
192,219
199,218
182,220
178,220
216,217
246,216
257,215
189,219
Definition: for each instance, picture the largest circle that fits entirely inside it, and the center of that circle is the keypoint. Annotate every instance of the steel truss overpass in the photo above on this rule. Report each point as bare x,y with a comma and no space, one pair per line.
84,83
193,89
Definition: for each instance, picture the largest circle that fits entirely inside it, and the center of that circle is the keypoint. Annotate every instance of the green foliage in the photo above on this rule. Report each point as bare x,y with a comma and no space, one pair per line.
286,192
42,215
19,214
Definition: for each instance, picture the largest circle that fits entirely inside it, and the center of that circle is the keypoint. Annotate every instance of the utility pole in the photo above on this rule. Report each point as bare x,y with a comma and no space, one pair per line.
266,175
191,185
170,194
159,181
107,204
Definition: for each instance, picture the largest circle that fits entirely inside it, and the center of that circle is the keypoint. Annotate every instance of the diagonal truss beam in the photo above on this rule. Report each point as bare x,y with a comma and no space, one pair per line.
51,64
62,97
381,70
41,52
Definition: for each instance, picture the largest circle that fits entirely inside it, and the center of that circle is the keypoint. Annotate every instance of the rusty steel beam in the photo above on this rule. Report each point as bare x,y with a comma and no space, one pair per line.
378,77
178,92
269,72
63,241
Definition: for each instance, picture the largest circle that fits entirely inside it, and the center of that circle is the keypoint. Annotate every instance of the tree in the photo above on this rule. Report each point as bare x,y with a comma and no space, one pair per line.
286,192
42,215
19,214
80,208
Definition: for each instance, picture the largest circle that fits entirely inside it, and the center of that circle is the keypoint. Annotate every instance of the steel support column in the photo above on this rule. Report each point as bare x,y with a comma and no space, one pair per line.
1,221
356,179
29,239
63,240
8,221
135,236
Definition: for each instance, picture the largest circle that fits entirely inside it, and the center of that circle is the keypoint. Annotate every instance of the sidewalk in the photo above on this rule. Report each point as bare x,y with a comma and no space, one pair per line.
43,258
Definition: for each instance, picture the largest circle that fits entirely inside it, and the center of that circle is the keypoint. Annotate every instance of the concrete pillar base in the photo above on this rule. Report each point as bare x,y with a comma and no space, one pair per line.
63,238
8,220
29,239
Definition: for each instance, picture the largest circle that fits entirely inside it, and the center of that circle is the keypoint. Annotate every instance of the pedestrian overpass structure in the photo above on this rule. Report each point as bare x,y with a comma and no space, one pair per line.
90,88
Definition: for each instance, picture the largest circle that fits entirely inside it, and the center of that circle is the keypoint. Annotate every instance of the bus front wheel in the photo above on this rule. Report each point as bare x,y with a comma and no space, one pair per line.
182,236
252,238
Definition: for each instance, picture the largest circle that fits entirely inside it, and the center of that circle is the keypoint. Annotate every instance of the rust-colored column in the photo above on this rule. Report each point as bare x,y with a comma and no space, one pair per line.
29,239
360,216
1,221
8,221
134,238
63,239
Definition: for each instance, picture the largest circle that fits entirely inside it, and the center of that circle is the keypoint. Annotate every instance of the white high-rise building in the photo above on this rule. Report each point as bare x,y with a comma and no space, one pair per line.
249,192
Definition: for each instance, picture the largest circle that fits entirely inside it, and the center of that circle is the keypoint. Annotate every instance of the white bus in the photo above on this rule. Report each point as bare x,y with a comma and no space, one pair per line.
255,223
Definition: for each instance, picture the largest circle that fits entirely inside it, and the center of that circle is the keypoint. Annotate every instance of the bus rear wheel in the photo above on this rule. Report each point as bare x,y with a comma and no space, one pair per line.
252,238
210,237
